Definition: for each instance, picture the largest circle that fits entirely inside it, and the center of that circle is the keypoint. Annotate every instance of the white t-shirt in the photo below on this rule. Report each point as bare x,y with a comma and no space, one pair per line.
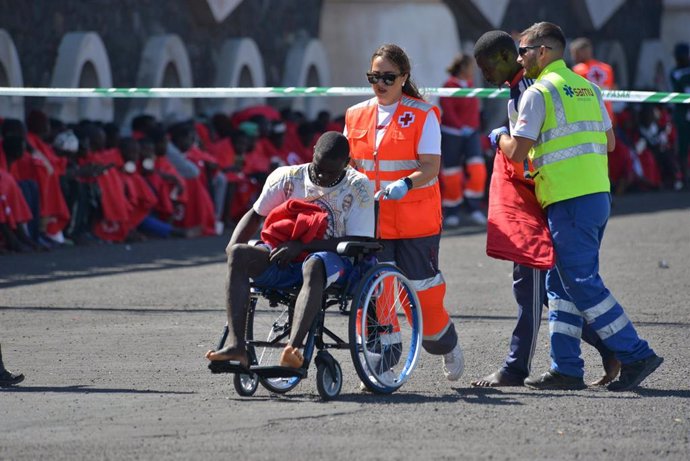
349,204
429,143
532,112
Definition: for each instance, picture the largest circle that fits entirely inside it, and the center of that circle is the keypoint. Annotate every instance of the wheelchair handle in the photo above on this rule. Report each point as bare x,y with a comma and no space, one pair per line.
356,248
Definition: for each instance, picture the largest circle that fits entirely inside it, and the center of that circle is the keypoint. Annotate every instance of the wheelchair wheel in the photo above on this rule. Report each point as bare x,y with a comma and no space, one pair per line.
385,329
245,385
268,331
327,383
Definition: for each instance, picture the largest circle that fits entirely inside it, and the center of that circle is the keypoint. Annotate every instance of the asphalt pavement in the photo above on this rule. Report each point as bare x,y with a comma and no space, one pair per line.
111,339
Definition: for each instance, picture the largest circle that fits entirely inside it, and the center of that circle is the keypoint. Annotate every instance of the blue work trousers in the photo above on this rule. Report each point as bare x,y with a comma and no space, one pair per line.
576,291
529,290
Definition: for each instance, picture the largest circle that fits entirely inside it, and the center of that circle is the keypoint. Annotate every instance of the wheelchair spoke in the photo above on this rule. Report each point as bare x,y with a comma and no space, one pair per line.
387,328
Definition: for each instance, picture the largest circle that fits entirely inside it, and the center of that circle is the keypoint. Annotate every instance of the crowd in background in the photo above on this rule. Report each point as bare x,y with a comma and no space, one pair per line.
86,183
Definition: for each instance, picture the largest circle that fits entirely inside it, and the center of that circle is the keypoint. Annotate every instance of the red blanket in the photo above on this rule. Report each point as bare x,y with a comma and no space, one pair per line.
140,197
517,229
294,220
13,207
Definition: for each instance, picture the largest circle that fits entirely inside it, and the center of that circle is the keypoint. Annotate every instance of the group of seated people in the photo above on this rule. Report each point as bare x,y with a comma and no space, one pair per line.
84,183
644,158
77,184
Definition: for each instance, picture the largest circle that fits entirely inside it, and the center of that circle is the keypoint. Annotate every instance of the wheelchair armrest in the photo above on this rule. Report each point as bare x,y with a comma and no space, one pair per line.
356,248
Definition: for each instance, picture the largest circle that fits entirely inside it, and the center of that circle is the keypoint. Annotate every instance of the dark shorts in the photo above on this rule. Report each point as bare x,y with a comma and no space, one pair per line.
416,257
338,269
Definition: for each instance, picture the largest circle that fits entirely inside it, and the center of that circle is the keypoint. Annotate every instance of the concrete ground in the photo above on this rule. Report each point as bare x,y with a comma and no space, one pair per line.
111,339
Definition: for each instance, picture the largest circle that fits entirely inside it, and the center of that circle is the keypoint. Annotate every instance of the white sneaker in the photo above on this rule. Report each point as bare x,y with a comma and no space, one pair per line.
478,217
57,238
220,227
451,221
454,363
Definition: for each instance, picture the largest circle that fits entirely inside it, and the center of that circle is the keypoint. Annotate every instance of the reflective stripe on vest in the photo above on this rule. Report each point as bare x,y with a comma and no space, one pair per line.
399,168
566,129
387,165
570,154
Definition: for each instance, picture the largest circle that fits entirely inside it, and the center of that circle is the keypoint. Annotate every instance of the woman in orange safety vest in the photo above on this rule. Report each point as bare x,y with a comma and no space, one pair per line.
395,139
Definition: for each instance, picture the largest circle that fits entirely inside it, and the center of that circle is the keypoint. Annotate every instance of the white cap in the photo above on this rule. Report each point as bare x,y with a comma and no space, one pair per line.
66,141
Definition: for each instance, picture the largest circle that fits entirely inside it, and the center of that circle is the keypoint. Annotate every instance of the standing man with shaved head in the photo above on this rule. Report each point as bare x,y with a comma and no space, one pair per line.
565,131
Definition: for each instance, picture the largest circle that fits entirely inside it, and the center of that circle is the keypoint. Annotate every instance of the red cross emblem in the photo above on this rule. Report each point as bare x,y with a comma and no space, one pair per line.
406,119
597,76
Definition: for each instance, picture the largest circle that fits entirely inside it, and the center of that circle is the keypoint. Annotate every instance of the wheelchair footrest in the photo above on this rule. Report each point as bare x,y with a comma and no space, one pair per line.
278,372
228,366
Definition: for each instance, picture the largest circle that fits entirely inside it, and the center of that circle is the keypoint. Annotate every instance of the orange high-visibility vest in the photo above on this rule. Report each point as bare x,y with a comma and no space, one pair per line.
418,214
600,74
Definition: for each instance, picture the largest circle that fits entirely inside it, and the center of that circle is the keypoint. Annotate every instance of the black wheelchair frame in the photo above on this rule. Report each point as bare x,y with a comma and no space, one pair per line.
382,364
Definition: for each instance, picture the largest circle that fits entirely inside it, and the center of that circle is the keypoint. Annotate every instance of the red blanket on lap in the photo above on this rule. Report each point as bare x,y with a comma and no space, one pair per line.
517,229
294,220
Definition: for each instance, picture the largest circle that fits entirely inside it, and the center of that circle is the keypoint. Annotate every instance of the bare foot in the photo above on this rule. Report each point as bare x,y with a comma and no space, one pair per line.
498,379
291,357
228,353
611,369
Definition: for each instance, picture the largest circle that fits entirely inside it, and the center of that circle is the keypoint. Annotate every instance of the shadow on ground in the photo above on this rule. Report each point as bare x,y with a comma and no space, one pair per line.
105,259
81,389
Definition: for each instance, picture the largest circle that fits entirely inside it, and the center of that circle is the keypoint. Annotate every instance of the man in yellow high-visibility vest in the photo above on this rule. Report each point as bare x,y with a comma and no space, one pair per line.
564,129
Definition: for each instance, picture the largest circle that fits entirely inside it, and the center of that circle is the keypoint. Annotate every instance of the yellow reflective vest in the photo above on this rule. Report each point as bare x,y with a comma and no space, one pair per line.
570,158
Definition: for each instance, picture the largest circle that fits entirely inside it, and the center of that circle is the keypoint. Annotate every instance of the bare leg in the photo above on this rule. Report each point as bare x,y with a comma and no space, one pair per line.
244,261
307,306
612,367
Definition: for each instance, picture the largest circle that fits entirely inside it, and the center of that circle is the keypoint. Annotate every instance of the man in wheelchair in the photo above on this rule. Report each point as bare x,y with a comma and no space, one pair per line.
309,209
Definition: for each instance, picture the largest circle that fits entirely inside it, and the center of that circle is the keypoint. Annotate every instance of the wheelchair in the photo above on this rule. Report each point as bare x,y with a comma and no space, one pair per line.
384,332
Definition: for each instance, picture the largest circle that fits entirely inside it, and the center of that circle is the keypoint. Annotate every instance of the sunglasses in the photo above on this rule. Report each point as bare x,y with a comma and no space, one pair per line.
388,78
524,49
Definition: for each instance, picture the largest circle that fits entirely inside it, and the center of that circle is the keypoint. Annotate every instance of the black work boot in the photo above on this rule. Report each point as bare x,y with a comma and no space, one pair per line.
634,373
7,378
553,380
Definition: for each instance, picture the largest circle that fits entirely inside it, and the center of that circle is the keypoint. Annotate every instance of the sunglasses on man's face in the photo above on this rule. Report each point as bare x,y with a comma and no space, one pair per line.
388,78
524,49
